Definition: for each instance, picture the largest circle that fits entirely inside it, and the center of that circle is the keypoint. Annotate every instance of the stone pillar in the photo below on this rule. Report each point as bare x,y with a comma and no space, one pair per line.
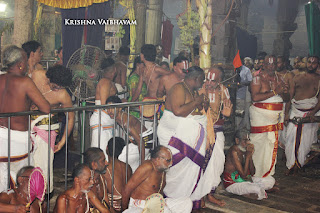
154,22
286,15
23,14
140,12
223,41
47,32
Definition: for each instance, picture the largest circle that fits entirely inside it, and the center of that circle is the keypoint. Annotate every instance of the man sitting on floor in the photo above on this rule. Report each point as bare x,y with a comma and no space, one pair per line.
236,174
77,198
15,200
147,183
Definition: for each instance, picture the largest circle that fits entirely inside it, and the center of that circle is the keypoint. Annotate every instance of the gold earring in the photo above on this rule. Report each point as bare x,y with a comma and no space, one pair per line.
20,68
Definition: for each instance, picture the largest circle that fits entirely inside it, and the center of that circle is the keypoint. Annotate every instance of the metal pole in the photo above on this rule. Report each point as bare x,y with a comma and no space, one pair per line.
9,150
154,126
66,155
114,147
99,129
49,153
141,126
82,131
127,144
29,138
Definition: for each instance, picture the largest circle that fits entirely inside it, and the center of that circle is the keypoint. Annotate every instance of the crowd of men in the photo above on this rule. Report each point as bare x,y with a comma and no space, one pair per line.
181,172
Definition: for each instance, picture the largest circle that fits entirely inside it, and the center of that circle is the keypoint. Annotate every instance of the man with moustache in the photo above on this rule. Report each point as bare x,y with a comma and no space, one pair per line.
78,198
266,116
180,64
182,129
149,180
220,107
95,159
287,78
239,169
257,65
304,103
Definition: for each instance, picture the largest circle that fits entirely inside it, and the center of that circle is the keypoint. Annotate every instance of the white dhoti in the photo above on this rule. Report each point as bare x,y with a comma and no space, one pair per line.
173,205
257,186
18,155
300,137
192,174
266,120
134,152
40,154
106,130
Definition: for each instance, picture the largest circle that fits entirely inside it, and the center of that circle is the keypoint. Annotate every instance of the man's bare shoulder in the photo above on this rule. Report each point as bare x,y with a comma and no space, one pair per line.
6,196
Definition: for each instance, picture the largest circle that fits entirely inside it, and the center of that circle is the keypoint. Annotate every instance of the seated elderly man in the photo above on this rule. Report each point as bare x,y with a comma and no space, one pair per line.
239,167
15,200
77,198
145,187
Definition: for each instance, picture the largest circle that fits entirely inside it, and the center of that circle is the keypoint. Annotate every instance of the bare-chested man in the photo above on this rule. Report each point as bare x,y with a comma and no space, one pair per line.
239,169
180,64
150,178
152,72
52,84
134,134
220,107
182,129
34,54
106,86
287,78
17,92
304,102
257,65
104,90
15,200
77,199
266,116
95,159
119,172
121,67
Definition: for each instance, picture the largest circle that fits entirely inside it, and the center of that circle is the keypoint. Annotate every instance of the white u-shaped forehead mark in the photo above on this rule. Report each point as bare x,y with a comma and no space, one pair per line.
208,76
312,59
270,60
213,76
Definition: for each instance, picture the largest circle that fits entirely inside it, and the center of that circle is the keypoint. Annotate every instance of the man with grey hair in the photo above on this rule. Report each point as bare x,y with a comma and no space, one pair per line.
239,168
17,92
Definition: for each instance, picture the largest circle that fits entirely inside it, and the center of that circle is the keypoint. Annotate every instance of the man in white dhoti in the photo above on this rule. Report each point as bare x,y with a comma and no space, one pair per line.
145,187
305,102
266,117
182,129
239,169
52,84
134,134
220,107
16,94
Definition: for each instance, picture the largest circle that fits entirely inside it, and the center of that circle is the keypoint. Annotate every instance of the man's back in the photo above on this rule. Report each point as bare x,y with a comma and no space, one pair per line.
105,89
15,94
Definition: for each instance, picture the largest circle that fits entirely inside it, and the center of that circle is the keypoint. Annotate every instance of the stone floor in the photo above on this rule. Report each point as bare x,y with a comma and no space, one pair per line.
300,193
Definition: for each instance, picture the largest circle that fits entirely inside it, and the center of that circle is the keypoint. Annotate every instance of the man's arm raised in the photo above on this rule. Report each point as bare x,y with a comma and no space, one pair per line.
66,102
35,96
139,176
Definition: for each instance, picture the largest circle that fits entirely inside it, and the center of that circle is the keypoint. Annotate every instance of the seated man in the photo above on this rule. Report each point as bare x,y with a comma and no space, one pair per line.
239,168
150,179
119,173
95,159
15,200
77,198
134,135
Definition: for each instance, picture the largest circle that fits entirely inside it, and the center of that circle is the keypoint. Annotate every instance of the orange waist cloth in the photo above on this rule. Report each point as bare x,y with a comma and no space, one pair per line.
269,106
269,128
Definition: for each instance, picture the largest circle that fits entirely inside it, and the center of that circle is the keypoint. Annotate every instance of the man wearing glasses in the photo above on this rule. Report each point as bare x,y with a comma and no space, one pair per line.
239,169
